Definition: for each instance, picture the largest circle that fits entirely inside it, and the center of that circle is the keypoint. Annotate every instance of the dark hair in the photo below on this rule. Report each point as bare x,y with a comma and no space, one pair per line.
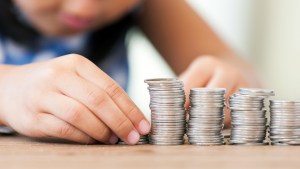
101,42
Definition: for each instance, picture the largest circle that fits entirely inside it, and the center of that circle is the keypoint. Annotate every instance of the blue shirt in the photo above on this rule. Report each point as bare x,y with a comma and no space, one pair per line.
115,64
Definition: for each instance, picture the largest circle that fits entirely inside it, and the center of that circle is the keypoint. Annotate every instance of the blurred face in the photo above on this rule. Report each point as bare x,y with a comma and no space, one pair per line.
68,17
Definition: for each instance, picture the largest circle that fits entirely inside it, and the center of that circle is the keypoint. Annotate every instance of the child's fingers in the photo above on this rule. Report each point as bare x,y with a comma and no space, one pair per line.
78,115
87,70
197,74
100,103
55,127
222,79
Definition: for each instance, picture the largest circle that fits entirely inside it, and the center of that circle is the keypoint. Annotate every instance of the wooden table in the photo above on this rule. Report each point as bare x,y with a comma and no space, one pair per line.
21,152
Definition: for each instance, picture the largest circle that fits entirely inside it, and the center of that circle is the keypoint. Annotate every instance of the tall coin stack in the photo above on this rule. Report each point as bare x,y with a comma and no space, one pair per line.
248,116
168,114
285,122
206,116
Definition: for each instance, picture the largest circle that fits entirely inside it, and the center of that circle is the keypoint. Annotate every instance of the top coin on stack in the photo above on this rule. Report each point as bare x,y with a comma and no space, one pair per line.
265,93
168,114
248,116
206,116
285,122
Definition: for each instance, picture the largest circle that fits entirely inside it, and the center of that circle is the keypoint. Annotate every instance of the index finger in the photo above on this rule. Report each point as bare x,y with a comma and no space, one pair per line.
90,72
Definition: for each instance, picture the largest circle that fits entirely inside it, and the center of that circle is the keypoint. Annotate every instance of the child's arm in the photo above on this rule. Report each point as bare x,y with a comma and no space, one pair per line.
179,33
183,37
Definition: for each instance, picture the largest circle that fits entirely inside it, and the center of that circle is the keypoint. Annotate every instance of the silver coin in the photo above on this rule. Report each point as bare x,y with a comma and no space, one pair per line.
207,144
250,144
279,144
256,92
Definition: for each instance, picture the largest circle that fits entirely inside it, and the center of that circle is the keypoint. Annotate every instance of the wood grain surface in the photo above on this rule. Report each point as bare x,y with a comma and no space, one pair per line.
25,153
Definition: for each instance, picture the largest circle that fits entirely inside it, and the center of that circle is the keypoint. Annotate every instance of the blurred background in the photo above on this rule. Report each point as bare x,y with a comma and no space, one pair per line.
266,33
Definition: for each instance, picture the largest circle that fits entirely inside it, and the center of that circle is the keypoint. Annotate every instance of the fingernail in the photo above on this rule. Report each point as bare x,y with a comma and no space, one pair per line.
113,139
133,137
144,127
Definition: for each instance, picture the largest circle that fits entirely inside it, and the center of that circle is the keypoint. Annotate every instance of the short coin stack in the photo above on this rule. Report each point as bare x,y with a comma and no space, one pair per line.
285,122
168,114
206,116
142,140
248,116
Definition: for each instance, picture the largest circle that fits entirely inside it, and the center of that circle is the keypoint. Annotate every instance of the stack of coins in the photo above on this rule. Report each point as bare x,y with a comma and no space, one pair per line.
248,116
285,122
168,114
206,116
142,140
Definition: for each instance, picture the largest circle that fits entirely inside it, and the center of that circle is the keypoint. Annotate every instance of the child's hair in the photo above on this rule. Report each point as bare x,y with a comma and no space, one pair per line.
101,42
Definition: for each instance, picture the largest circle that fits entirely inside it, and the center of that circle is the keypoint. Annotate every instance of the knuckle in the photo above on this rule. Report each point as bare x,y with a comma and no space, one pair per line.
74,114
51,72
205,60
96,98
121,125
76,58
223,71
104,134
114,91
65,131
210,60
133,112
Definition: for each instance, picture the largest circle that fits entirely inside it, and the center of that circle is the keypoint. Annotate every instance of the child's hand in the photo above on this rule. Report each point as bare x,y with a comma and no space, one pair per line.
70,98
212,72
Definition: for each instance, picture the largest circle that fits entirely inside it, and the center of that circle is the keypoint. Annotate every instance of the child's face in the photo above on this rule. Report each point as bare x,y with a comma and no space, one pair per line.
67,17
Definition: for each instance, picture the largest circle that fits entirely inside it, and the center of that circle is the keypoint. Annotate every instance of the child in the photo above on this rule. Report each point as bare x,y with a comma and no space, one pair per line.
69,97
